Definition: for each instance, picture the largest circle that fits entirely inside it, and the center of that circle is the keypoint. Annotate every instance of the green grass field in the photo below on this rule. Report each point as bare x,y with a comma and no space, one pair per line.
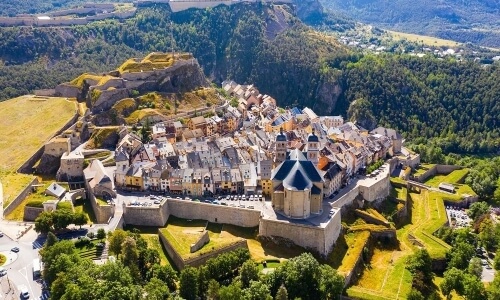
154,243
426,40
26,123
428,215
454,177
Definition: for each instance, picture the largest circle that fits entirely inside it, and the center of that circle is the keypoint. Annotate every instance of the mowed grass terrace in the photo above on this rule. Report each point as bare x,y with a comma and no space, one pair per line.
26,123
181,233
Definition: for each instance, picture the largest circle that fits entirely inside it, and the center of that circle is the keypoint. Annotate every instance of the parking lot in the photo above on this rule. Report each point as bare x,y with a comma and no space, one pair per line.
457,217
241,201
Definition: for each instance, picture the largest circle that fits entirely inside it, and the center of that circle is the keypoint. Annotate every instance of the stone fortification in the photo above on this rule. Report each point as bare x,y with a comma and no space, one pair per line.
317,238
171,75
181,263
214,213
204,239
436,169
20,197
146,215
377,190
31,213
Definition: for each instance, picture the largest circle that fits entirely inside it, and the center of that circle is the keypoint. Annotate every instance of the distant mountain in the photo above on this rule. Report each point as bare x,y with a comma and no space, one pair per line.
476,21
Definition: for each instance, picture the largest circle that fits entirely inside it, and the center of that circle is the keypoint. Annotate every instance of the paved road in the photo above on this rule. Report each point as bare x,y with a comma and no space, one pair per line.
19,266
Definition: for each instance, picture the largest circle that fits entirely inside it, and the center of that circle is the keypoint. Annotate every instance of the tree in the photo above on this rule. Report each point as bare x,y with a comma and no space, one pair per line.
494,288
155,289
453,280
248,272
44,222
147,259
421,262
165,274
496,194
460,256
101,233
62,218
331,283
478,209
415,295
188,286
130,257
213,290
231,292
51,240
257,291
116,239
488,235
282,294
80,219
475,267
474,288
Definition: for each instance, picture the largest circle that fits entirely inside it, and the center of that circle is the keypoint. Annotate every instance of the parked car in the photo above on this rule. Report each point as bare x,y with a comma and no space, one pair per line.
24,293
15,249
3,272
1,234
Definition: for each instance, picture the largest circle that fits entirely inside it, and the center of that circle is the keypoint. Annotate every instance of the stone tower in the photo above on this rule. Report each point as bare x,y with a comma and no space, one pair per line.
280,147
313,148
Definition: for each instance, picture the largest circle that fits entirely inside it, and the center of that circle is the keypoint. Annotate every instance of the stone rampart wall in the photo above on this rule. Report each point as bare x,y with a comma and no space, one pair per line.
67,90
347,199
204,239
309,237
332,231
436,169
202,259
31,213
108,98
379,189
174,256
19,198
353,274
146,215
45,92
102,212
214,213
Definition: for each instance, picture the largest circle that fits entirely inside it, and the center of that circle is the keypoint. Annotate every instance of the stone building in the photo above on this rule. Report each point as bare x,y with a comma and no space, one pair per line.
297,187
71,168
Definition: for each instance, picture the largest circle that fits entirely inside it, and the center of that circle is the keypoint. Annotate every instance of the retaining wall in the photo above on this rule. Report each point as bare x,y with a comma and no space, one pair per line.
352,276
347,199
204,239
214,213
22,195
146,215
31,213
200,260
436,169
102,212
315,238
174,256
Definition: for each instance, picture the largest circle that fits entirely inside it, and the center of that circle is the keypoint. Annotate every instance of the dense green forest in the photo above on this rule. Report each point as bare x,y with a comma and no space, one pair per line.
449,104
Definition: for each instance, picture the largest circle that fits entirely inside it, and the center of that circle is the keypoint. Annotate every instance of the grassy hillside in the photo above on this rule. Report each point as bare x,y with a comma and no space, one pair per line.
26,123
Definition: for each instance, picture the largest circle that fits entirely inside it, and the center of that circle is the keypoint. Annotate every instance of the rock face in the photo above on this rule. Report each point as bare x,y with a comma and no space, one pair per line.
327,94
308,11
